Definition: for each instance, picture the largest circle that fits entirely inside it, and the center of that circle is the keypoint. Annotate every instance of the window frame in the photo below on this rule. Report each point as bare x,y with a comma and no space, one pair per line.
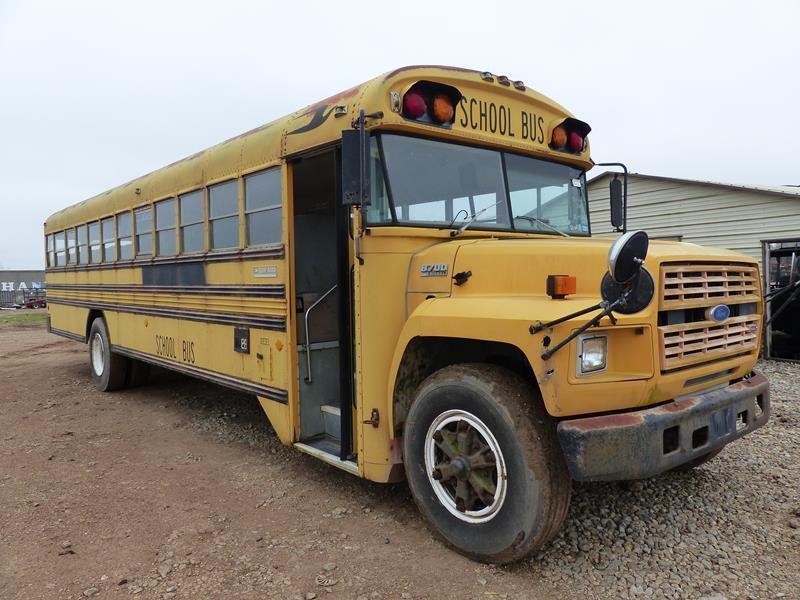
50,249
119,239
99,243
61,234
72,256
237,214
394,222
104,242
82,249
279,169
174,228
136,233
203,220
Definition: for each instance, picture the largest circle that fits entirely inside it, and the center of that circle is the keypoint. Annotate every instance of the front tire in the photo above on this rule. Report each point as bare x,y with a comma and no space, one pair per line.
108,369
484,464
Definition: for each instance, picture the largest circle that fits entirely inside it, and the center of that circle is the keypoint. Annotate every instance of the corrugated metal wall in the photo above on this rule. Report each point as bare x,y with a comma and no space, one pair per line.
699,213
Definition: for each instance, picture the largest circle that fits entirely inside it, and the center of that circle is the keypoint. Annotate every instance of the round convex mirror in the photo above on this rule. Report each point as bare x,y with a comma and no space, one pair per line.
626,256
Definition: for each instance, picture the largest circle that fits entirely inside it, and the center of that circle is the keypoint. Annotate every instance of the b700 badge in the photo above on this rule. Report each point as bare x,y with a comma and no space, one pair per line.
434,270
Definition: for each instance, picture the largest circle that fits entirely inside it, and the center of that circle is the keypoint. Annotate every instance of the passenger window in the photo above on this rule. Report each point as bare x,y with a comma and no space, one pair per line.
125,234
165,228
83,244
94,241
72,257
143,220
192,218
60,255
51,251
262,195
224,215
109,243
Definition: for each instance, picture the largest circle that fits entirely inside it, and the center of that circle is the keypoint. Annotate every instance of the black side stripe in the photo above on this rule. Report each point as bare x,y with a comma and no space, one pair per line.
67,334
269,253
257,322
257,291
243,385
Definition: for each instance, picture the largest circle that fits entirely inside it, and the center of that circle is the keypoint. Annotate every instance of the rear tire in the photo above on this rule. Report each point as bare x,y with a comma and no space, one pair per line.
484,464
108,369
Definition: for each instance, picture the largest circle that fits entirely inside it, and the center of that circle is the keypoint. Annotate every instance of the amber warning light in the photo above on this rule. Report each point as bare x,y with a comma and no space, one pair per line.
431,103
570,136
561,286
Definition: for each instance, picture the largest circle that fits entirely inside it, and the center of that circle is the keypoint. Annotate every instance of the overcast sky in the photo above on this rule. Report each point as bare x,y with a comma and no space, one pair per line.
93,94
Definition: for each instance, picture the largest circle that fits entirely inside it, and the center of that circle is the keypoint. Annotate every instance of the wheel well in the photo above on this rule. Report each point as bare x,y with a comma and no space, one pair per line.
426,355
93,314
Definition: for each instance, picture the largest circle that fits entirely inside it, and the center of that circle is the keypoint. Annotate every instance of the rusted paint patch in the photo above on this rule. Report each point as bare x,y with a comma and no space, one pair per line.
606,422
679,405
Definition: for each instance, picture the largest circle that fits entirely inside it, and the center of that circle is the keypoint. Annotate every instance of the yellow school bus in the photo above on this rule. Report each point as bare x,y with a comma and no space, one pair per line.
404,275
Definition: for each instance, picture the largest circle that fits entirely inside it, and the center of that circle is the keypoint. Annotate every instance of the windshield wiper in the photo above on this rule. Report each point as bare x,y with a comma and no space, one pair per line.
461,229
540,221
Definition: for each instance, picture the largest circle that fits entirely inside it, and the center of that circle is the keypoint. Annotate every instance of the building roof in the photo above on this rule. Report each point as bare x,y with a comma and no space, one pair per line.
792,191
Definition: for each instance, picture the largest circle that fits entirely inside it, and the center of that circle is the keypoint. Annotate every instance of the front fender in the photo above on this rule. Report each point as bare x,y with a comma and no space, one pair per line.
508,319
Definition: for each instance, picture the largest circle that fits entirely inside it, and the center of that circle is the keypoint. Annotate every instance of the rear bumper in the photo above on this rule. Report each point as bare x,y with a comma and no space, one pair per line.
643,443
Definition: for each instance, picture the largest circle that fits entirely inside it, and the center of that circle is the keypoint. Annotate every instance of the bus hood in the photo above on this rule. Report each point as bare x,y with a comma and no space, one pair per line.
520,266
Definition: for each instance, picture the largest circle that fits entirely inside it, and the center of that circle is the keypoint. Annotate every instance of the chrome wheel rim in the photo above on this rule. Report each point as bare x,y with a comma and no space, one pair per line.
465,466
98,354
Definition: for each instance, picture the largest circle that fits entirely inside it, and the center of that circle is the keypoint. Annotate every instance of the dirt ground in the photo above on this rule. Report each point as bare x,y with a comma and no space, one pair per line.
181,489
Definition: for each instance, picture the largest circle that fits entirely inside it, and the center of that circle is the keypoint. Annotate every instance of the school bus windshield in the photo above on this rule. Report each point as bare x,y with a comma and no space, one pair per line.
425,182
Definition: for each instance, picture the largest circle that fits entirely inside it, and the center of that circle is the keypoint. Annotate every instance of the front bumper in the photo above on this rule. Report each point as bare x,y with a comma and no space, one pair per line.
643,443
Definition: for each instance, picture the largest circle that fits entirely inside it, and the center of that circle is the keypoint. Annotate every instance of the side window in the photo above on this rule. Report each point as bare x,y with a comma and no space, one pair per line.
165,228
72,257
262,208
224,215
144,231
109,240
83,244
124,233
60,249
192,218
51,250
94,241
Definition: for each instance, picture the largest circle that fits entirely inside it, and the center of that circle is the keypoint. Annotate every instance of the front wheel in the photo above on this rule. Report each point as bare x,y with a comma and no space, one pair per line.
483,462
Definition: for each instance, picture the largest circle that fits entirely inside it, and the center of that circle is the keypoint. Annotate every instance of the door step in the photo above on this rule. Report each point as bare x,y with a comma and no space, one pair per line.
331,417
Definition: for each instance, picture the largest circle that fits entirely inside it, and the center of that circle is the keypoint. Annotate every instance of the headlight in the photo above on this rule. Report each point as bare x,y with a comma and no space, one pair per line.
592,353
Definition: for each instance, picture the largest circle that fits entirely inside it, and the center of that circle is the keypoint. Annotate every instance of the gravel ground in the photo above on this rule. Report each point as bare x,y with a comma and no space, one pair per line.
728,529
181,490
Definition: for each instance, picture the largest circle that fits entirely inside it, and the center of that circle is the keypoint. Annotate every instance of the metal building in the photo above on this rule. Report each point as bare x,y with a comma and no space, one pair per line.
18,286
760,221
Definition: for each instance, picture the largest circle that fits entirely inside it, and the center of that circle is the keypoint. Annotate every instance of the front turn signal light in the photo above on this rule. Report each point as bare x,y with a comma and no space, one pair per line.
561,286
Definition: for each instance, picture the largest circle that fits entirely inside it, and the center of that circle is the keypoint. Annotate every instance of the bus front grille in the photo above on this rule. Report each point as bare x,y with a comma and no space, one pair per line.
687,337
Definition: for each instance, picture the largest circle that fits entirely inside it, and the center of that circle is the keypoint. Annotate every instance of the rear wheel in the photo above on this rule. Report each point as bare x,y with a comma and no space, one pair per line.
483,462
108,369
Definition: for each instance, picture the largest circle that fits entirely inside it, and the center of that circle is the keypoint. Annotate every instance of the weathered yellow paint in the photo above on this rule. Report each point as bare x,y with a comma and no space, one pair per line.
393,303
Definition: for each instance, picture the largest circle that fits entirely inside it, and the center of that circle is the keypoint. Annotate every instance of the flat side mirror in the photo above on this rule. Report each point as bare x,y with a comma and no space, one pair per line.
355,168
615,193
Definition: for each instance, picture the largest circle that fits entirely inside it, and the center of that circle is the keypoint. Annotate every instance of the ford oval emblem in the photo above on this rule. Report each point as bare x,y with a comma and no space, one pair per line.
718,313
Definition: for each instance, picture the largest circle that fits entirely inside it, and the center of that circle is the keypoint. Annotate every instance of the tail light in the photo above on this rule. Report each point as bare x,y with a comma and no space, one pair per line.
431,103
570,136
